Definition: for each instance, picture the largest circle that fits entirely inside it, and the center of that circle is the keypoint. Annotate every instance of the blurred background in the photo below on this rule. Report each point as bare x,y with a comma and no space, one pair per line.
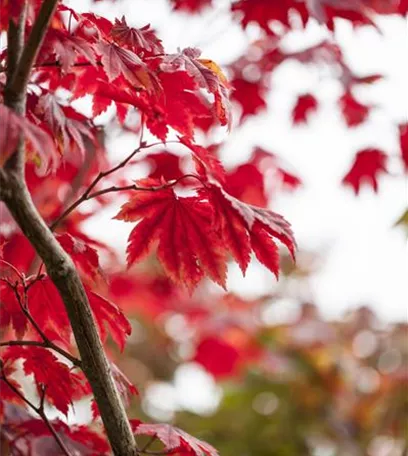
317,362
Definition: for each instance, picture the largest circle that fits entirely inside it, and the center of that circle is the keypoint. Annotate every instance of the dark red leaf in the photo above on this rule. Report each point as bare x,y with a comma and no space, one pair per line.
12,127
182,227
217,356
354,112
60,383
118,61
174,439
305,105
368,164
85,257
110,319
136,39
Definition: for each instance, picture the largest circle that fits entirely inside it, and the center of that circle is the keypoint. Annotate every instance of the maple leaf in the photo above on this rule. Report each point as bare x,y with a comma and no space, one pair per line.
368,164
181,102
109,318
182,227
250,95
246,182
205,160
206,74
403,139
67,126
94,27
243,227
84,257
164,165
222,365
354,112
118,61
62,46
264,11
61,384
13,127
136,39
305,105
174,439
125,387
48,310
10,312
78,439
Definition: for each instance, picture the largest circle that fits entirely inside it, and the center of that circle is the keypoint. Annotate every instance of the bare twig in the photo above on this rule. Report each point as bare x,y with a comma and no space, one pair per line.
87,195
148,443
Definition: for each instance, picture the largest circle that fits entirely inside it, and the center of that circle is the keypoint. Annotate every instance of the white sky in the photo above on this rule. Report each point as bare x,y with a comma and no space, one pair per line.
367,261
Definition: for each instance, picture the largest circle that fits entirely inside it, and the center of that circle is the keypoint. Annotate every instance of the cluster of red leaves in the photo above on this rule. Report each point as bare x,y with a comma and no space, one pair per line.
358,13
125,69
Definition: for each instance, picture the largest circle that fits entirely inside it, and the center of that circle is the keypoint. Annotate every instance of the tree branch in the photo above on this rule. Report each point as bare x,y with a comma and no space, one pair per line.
60,268
18,83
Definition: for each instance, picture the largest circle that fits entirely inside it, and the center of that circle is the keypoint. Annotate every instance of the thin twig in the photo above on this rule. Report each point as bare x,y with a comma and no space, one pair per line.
149,442
88,195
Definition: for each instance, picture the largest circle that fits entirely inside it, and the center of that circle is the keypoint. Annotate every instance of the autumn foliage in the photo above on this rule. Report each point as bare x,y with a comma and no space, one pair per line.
190,218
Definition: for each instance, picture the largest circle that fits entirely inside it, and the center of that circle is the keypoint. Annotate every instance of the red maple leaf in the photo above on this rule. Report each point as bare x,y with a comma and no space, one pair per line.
84,257
182,227
109,318
137,39
59,382
206,74
243,227
65,48
246,182
224,364
368,164
181,104
174,439
48,310
164,165
78,439
206,161
67,126
250,95
13,126
305,105
118,62
263,12
354,112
